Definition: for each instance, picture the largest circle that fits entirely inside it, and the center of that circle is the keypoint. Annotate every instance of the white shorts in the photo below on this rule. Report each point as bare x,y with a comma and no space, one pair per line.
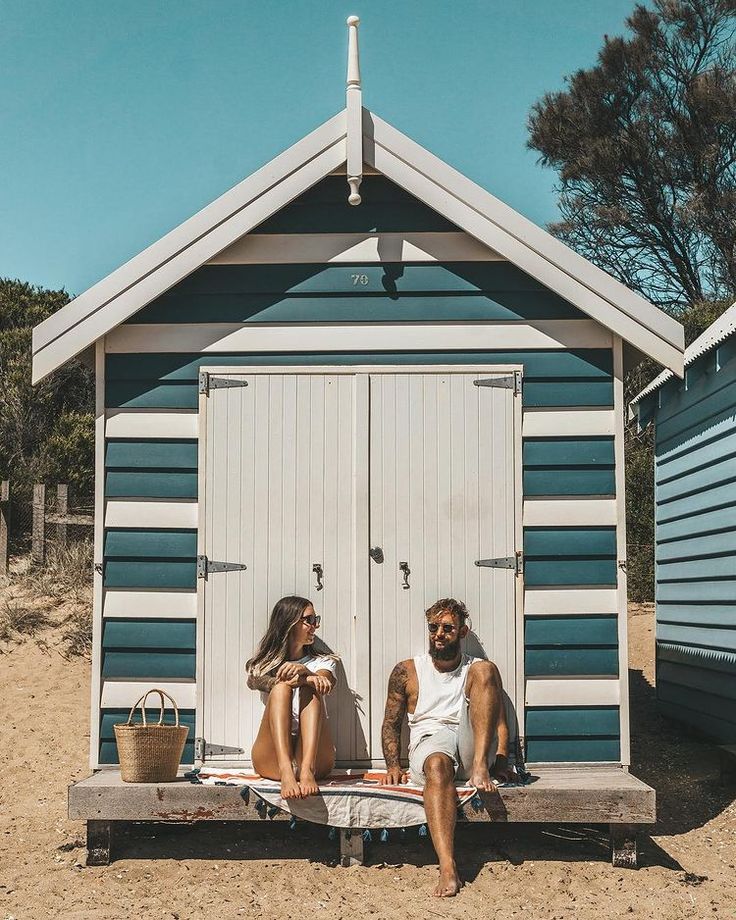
456,741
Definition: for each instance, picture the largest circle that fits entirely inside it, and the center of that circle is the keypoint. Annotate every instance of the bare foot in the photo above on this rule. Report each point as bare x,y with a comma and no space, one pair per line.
307,783
481,778
449,883
290,788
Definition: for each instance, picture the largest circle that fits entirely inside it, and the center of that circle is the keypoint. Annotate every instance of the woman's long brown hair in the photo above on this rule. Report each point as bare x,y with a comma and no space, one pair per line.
274,646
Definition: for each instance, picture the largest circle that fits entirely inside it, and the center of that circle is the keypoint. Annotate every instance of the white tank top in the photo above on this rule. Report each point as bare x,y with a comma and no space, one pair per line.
439,697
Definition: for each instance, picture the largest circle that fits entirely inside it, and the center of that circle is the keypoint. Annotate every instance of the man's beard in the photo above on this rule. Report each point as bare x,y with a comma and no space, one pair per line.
450,651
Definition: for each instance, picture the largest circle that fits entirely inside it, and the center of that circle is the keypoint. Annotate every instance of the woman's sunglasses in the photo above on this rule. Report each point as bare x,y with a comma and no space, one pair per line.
447,628
312,619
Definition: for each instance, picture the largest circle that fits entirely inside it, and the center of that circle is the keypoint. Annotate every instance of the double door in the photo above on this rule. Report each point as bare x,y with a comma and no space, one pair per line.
371,491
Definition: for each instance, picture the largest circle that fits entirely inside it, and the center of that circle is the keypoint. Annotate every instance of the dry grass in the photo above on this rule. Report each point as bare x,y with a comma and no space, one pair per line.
20,620
76,634
66,574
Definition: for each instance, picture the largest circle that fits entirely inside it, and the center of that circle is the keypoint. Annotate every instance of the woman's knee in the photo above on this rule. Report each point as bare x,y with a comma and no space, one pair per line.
281,691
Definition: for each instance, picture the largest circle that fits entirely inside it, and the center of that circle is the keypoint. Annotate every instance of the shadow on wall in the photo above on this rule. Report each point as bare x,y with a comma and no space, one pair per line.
684,770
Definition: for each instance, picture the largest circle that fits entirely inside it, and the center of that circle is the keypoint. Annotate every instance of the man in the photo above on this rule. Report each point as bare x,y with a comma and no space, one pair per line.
457,727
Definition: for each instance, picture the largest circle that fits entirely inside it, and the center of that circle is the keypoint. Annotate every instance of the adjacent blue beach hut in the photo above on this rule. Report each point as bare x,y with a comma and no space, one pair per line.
360,377
695,531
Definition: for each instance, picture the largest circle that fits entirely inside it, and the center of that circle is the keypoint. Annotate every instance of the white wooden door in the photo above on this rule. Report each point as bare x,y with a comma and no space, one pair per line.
442,495
284,484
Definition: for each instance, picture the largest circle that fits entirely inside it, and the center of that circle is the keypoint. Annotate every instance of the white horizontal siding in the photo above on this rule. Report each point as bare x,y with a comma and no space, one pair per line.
569,601
143,514
252,337
542,423
572,692
270,248
150,604
572,512
121,694
151,423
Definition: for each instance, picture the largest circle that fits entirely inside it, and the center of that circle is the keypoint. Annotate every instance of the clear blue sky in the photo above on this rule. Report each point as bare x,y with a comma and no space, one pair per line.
121,119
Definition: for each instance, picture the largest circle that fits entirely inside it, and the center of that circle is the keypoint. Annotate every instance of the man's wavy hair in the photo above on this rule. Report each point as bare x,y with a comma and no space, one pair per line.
449,605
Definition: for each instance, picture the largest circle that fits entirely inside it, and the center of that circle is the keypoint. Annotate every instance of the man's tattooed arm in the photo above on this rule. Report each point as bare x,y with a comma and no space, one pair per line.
263,682
394,716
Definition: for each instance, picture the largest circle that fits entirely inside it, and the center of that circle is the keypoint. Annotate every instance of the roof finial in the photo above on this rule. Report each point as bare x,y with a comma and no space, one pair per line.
354,114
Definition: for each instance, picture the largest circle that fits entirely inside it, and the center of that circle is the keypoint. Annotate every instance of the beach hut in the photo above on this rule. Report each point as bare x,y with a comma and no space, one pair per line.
360,377
695,532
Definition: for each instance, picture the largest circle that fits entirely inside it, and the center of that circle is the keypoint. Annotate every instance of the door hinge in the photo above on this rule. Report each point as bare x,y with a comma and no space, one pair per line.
508,382
202,749
207,567
209,382
515,562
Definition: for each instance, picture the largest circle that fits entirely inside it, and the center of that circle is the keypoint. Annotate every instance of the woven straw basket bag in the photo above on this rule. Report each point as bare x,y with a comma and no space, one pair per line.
150,752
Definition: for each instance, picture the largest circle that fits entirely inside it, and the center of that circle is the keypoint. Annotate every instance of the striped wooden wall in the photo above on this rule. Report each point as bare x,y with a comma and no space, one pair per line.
434,310
695,501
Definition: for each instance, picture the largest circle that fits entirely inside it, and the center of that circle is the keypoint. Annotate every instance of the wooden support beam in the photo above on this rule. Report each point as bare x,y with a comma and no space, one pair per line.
99,842
62,506
624,853
38,546
352,849
4,525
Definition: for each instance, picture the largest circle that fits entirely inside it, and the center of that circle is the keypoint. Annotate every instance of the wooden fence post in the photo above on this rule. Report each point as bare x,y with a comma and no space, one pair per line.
4,525
62,506
38,548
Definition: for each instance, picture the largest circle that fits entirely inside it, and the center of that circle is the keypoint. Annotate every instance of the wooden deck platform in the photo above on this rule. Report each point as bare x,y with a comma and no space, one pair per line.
590,794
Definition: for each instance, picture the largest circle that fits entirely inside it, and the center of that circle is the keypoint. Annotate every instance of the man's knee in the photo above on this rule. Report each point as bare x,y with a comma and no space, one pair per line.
484,674
439,768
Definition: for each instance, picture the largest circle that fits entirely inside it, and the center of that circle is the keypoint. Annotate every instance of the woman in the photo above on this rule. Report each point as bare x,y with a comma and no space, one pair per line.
294,744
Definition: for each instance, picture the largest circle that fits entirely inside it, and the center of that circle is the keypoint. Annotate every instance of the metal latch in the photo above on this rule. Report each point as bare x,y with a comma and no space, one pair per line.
508,382
515,562
207,567
209,382
202,749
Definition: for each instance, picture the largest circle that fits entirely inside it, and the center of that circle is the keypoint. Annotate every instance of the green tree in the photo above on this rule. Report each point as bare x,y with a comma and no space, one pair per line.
46,431
645,146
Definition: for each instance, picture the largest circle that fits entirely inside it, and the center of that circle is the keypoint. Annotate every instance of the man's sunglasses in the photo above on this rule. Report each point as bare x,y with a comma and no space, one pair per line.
447,628
312,619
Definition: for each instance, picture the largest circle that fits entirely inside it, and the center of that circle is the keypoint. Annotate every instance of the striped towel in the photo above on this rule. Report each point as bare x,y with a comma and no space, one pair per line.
349,798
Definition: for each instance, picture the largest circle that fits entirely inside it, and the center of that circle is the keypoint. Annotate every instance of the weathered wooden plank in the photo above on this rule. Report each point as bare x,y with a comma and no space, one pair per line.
62,507
100,835
591,794
38,546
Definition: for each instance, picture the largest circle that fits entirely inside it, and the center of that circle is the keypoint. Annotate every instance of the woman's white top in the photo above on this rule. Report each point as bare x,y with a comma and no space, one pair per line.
439,698
313,663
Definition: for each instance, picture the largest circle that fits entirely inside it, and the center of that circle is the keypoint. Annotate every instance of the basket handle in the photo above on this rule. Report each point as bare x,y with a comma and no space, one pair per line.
142,700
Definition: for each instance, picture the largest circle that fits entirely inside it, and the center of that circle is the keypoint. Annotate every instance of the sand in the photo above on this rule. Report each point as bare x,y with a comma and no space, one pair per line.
225,871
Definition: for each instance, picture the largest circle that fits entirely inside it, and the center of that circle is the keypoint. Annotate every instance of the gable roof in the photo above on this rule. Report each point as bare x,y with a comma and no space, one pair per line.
714,335
200,238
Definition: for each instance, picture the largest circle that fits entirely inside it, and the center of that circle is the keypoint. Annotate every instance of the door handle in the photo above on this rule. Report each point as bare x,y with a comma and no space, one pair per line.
317,569
404,567
376,554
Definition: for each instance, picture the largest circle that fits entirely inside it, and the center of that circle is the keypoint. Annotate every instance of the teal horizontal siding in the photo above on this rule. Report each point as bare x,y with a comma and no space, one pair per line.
702,545
143,574
581,662
572,734
705,680
149,634
718,443
158,543
714,659
111,717
566,631
571,722
703,723
551,378
702,522
715,473
150,484
141,663
681,592
576,750
722,706
698,614
151,468
569,466
569,556
516,306
692,419
715,637
151,454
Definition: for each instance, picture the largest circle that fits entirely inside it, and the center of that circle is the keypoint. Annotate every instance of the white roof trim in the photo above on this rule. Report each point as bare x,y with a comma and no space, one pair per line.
716,333
199,239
